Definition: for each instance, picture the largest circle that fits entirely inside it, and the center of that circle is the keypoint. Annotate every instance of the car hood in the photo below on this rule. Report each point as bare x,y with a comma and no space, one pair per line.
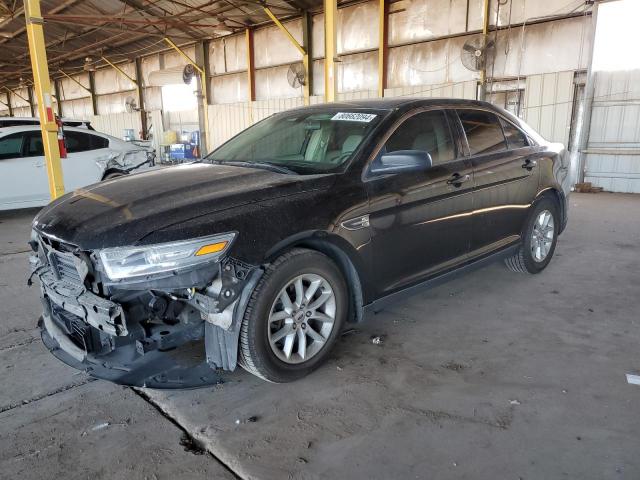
123,211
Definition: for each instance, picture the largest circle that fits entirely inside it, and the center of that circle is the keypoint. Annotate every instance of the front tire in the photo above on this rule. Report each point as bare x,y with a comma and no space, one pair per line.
293,317
539,239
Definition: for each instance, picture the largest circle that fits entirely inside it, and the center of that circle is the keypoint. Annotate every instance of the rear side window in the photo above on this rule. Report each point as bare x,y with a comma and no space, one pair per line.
483,131
82,142
11,146
515,138
35,148
426,131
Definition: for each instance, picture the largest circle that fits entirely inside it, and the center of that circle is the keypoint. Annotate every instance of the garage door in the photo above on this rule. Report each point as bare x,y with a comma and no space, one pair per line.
613,150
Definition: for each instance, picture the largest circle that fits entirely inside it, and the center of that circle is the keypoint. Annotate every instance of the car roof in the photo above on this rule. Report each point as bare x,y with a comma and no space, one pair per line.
397,102
29,128
31,119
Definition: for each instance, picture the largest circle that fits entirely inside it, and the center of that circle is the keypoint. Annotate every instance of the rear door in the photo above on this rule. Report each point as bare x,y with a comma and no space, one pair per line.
506,178
87,155
23,178
420,221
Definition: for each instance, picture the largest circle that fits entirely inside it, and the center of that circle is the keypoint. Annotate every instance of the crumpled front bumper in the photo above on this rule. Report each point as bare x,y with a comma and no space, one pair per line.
90,333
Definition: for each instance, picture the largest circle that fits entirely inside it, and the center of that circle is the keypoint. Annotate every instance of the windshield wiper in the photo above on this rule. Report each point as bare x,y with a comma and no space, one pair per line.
274,167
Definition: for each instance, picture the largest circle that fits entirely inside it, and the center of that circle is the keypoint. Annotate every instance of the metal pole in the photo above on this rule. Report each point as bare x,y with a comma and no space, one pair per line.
31,106
42,87
383,33
485,36
578,170
92,89
330,50
251,74
307,58
56,88
140,91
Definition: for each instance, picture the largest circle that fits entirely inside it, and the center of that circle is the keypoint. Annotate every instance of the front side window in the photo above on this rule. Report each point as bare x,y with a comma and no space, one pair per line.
426,131
11,146
312,141
483,130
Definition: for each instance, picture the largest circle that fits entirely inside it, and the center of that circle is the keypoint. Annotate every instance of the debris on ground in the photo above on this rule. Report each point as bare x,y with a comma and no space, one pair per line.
587,187
514,402
252,419
633,379
339,368
100,426
377,339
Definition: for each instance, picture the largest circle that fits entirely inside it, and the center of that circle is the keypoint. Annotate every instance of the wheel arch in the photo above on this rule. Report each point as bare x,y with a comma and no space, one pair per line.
342,253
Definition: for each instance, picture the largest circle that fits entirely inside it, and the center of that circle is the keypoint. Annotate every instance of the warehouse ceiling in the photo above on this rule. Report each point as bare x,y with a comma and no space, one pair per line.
79,32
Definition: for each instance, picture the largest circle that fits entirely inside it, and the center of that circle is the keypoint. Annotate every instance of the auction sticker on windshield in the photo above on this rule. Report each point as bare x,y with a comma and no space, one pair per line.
354,117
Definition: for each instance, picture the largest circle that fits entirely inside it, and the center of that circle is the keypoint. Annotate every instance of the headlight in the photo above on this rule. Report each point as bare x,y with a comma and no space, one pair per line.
127,262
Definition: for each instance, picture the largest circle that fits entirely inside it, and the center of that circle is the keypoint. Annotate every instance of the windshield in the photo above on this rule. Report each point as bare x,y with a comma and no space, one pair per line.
309,141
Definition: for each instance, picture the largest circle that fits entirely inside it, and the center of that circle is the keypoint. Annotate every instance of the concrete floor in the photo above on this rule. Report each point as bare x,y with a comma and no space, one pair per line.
494,375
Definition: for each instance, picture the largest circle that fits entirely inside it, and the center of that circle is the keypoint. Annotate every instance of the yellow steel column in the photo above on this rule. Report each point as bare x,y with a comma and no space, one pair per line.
204,85
330,50
485,35
42,86
383,34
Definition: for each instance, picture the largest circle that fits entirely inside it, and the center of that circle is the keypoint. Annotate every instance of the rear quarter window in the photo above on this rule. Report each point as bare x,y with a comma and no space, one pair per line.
515,137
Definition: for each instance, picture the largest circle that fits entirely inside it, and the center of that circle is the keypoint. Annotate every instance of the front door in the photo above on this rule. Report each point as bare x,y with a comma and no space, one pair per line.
420,221
23,174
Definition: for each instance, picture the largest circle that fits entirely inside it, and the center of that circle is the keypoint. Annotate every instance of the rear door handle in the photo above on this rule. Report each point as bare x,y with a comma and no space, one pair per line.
529,164
457,180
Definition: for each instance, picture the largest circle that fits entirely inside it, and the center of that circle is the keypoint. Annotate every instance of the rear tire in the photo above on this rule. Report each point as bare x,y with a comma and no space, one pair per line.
293,317
539,239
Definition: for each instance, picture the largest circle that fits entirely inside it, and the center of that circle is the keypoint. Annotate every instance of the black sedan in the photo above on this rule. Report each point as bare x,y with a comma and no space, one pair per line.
259,254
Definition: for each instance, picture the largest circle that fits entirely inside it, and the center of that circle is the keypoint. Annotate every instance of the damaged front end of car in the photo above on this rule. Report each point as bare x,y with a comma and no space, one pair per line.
126,161
160,316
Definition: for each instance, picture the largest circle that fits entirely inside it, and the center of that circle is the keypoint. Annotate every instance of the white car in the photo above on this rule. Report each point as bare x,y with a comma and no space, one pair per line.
91,157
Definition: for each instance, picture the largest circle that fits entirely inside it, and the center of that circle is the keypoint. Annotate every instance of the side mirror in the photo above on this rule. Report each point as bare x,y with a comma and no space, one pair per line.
402,161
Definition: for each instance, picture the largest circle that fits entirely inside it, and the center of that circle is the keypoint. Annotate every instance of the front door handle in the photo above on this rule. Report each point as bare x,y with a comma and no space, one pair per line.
529,164
457,180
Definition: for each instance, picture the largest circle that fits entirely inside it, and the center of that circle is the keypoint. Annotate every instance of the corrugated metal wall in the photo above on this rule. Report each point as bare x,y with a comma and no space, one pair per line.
613,149
226,120
548,104
116,123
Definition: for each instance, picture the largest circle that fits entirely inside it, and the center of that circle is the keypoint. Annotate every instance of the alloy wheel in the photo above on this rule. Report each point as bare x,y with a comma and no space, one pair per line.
542,235
302,318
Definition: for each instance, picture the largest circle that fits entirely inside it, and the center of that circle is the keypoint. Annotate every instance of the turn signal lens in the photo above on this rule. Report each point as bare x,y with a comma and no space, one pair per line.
212,248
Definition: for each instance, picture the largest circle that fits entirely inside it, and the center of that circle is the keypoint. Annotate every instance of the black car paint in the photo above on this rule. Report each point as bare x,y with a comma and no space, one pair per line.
422,225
